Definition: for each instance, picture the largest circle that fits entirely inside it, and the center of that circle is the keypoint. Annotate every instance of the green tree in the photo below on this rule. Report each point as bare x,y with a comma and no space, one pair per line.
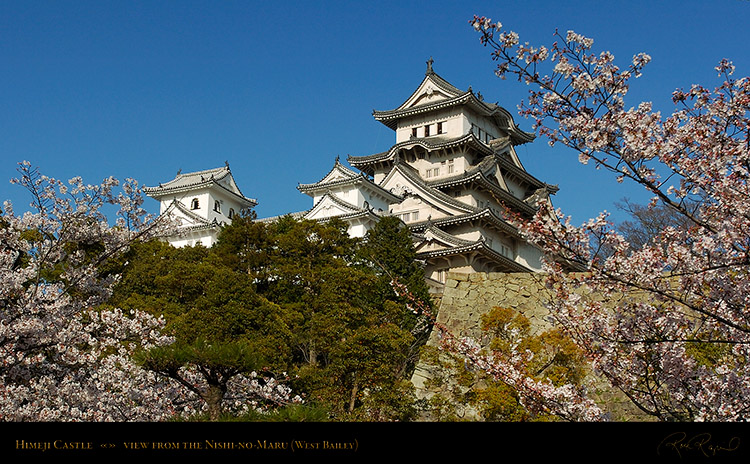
245,246
224,330
294,295
352,340
388,250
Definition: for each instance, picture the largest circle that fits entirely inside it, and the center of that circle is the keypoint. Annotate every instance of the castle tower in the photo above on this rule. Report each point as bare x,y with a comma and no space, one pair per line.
202,202
453,176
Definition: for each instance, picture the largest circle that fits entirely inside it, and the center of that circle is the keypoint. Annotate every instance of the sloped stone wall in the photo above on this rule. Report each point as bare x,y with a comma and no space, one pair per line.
468,296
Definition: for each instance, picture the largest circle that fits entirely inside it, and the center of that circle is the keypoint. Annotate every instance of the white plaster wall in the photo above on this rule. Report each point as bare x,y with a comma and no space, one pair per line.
515,188
206,238
186,199
529,256
422,165
450,117
227,201
411,204
355,196
487,125
357,230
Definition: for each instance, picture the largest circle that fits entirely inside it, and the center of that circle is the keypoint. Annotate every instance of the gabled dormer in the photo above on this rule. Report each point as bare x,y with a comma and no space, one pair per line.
351,187
433,89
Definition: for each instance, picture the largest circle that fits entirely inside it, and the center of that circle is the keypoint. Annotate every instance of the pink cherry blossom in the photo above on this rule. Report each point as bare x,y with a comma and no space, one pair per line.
62,356
678,348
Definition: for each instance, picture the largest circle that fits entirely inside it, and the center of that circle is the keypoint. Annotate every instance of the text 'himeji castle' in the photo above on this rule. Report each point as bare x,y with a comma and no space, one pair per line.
450,177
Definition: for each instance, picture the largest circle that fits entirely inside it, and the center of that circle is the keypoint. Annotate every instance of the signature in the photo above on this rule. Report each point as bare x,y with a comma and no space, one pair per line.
680,443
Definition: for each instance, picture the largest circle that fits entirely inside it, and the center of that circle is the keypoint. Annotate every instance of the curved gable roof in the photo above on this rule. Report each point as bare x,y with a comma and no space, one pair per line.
217,177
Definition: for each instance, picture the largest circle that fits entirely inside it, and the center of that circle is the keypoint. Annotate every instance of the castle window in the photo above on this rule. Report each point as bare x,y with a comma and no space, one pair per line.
426,131
414,132
231,213
408,217
440,128
194,204
217,206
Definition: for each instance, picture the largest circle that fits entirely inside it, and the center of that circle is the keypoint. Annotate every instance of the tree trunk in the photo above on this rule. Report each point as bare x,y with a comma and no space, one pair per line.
213,398
353,399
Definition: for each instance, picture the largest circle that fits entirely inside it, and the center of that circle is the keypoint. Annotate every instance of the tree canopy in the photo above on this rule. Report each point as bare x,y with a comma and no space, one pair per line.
293,296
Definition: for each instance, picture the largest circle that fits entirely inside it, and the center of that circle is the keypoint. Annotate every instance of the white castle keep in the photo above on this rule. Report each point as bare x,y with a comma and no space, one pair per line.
452,177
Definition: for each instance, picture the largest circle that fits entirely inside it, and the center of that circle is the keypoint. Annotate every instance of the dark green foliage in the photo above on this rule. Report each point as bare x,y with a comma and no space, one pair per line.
221,325
388,249
224,359
294,295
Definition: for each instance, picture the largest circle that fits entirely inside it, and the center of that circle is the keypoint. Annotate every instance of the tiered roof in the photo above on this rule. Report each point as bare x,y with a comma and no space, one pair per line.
429,144
497,169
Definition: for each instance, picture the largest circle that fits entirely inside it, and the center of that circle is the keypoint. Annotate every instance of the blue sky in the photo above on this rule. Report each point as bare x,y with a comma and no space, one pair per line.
279,89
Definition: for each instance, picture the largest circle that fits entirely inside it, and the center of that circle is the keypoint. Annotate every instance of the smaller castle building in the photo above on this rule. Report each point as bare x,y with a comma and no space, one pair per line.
201,202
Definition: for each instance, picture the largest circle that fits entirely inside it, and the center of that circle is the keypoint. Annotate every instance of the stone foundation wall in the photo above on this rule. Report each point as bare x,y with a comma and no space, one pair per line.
468,296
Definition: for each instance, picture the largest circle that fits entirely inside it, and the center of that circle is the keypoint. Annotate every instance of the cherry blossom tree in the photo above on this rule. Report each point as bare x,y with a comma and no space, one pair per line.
667,322
61,358
64,356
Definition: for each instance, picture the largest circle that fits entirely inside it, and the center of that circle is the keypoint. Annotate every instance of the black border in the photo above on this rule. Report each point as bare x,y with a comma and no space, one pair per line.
657,442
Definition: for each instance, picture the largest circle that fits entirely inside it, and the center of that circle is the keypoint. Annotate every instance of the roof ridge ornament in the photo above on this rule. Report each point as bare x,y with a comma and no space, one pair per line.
429,67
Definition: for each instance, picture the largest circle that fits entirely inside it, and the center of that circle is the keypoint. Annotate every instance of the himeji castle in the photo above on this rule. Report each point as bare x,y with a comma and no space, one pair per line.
452,177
